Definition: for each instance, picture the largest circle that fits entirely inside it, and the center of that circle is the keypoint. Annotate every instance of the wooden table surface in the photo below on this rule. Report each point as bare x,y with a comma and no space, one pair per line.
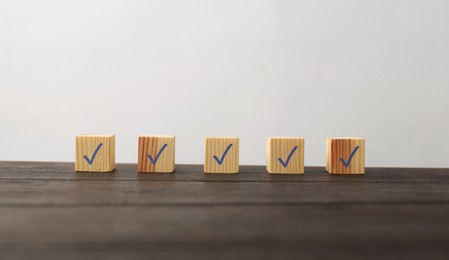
49,211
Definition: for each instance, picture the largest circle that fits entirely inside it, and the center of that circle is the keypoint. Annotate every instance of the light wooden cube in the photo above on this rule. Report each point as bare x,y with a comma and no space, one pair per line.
285,155
156,153
95,153
345,155
221,155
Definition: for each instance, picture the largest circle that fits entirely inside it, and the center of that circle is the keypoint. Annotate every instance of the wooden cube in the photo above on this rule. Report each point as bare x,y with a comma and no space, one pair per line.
285,155
95,153
221,155
345,155
156,153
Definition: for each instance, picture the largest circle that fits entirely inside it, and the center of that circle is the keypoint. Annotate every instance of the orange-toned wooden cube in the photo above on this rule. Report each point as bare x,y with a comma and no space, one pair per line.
156,153
345,155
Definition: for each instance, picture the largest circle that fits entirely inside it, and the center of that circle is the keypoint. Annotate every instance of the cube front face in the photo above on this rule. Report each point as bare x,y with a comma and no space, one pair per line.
156,154
221,155
345,155
285,155
95,153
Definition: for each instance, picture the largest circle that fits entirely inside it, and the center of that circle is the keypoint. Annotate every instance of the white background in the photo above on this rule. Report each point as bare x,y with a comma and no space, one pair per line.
318,68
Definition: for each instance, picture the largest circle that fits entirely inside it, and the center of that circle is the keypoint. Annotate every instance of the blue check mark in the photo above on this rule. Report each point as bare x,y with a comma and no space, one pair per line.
154,161
220,161
346,164
288,157
91,160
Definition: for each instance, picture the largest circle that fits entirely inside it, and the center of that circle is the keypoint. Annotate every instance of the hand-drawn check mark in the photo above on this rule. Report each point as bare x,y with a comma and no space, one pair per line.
154,161
346,164
220,161
288,157
90,161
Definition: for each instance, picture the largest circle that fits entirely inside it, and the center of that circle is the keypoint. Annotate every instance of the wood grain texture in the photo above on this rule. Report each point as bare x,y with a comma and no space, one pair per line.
338,149
281,147
48,211
152,145
216,146
104,160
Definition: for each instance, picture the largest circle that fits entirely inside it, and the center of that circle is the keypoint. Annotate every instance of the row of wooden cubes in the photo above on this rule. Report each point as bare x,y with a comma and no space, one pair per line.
285,155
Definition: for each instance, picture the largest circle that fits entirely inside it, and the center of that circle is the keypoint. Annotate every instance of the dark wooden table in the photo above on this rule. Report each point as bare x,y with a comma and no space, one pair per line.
49,211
